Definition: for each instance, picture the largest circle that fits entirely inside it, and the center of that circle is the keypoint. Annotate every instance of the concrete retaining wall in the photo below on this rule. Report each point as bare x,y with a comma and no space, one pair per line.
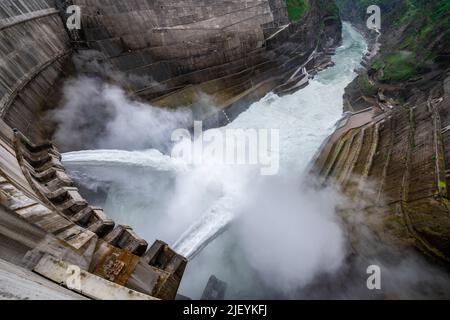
33,48
175,37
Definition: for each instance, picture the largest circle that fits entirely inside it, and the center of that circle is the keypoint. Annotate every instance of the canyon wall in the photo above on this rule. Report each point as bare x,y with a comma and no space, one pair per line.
45,222
233,51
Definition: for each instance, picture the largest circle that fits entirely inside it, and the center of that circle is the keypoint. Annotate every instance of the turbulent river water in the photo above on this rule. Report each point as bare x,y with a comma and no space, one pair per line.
266,236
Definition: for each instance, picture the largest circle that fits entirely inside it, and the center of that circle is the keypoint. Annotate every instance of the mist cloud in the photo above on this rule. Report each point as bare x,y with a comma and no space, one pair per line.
98,115
290,233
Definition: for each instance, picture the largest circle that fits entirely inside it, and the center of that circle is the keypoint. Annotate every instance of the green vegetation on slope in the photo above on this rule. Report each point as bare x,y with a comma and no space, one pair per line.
424,22
365,85
400,65
330,8
297,9
419,22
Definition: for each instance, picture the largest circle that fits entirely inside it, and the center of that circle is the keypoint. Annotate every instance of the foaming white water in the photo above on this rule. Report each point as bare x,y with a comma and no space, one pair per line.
121,158
304,120
282,229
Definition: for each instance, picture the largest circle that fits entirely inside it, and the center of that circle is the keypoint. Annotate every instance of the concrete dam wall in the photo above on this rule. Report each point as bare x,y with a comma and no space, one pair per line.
169,38
43,214
34,46
234,51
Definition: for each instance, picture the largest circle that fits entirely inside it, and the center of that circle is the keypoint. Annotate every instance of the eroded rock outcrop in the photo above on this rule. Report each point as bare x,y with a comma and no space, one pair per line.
172,52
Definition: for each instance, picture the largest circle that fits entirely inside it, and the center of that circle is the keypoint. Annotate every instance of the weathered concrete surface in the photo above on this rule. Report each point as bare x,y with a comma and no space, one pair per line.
34,47
215,289
17,283
34,54
190,35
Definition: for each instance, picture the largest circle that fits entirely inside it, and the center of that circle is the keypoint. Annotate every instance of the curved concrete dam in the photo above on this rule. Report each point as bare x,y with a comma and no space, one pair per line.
173,149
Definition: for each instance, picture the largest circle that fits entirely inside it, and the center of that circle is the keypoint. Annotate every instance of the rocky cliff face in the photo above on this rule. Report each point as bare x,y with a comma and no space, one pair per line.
394,155
415,46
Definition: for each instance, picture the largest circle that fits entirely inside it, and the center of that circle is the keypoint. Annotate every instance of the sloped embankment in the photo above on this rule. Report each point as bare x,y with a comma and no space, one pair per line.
235,51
